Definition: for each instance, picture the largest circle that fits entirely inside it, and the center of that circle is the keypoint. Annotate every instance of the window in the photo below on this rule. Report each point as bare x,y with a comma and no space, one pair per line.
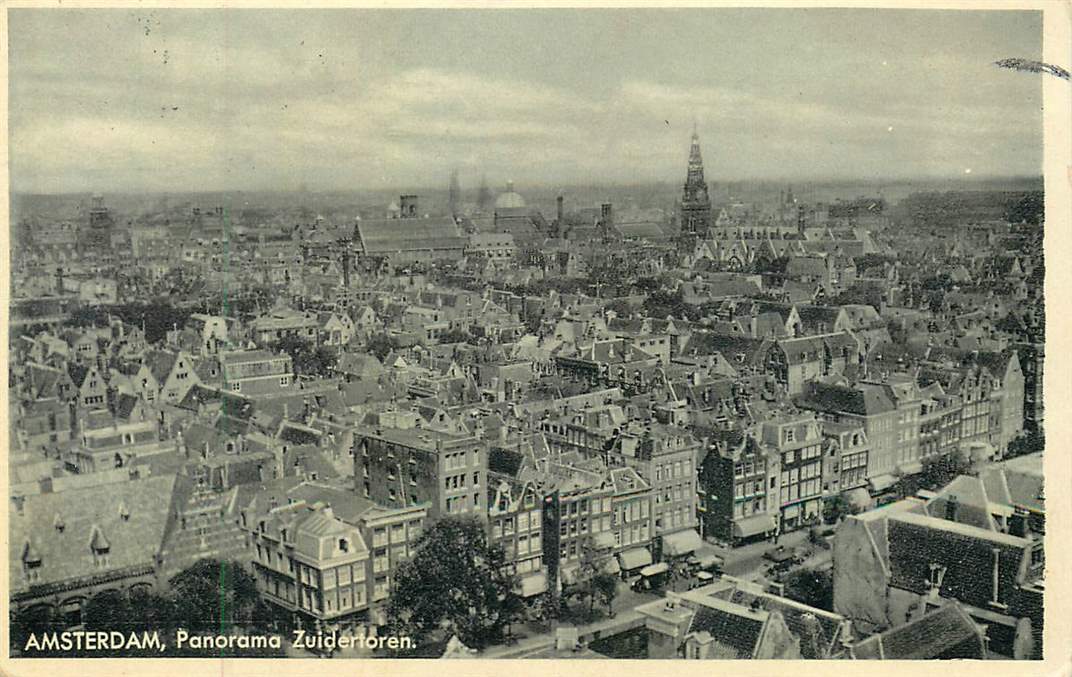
1038,557
284,380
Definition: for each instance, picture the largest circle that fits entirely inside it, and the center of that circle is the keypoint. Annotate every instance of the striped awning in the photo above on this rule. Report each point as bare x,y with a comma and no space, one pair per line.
634,558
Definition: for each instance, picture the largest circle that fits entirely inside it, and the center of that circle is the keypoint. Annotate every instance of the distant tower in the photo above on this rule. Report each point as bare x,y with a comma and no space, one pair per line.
99,234
695,201
455,197
483,198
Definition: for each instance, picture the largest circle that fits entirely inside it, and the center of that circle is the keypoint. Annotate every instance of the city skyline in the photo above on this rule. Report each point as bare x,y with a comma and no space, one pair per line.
232,100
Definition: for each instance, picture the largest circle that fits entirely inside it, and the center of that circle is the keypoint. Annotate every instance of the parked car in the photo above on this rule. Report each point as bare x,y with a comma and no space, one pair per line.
778,554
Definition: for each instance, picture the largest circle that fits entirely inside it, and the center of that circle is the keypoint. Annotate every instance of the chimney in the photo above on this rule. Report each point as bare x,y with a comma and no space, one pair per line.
995,578
560,209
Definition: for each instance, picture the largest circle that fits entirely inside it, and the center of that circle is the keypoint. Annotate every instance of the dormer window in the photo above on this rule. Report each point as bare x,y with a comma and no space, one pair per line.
59,524
344,545
31,559
100,547
936,577
124,513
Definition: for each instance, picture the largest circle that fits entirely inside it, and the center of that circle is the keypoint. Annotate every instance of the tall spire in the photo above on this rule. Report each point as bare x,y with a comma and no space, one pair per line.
695,175
455,195
695,201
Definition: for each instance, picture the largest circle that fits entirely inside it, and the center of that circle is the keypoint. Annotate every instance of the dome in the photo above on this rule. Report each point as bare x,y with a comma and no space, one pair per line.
510,199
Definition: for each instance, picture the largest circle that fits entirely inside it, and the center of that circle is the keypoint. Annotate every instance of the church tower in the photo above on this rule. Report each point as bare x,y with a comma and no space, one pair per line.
695,201
454,198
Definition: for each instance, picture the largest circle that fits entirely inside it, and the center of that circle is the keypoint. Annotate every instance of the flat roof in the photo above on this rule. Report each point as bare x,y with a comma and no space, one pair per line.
417,438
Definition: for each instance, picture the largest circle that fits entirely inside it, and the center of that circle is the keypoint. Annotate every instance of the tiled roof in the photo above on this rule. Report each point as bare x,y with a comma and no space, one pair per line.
88,515
798,617
160,363
505,462
944,633
864,400
917,541
735,630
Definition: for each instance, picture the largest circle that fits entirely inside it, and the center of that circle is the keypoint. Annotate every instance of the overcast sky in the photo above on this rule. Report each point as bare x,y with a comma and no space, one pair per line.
118,100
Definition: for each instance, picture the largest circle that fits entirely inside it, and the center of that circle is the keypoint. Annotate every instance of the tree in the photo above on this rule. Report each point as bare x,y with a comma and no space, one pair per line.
1029,443
940,471
126,611
456,583
380,345
814,587
214,596
606,586
659,304
593,583
454,335
317,361
836,508
35,620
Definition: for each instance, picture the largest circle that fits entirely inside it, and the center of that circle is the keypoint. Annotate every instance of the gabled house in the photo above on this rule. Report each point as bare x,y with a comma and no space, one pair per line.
175,373
91,390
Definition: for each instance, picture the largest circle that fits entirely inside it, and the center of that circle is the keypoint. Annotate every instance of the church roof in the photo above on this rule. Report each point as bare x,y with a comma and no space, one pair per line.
384,236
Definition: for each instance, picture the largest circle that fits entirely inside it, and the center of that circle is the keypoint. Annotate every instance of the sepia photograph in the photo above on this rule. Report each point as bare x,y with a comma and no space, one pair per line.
674,333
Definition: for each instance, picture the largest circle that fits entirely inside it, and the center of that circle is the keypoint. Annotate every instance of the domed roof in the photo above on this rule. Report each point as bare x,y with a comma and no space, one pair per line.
510,199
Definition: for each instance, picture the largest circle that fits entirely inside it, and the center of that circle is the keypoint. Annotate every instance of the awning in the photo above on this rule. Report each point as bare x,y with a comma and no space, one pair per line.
604,540
752,525
682,543
789,512
882,482
533,584
610,566
655,569
634,558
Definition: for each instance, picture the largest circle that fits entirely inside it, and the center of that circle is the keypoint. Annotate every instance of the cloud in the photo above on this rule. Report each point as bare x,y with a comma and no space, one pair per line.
265,100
